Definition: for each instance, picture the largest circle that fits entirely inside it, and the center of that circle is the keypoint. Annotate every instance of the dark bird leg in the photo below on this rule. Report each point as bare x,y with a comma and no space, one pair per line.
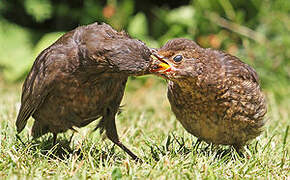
70,139
207,147
239,149
18,137
197,143
111,132
73,132
54,138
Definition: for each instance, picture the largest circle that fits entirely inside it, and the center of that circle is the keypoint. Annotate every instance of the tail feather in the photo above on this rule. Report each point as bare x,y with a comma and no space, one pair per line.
24,113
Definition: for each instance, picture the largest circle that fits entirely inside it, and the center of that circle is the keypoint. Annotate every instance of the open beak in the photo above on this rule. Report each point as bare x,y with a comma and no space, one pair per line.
160,65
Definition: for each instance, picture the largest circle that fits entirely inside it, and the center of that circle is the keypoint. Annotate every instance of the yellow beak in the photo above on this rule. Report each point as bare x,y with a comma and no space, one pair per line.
161,65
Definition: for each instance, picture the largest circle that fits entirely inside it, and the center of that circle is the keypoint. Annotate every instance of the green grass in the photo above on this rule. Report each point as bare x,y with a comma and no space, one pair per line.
149,129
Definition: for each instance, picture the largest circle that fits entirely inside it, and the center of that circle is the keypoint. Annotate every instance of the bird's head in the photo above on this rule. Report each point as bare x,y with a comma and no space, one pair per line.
177,59
130,56
116,51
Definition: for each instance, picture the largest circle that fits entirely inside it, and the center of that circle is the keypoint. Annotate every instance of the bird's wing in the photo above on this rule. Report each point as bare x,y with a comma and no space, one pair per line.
235,67
35,88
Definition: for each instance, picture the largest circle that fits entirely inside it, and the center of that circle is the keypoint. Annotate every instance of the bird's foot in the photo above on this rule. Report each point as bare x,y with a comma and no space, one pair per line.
122,146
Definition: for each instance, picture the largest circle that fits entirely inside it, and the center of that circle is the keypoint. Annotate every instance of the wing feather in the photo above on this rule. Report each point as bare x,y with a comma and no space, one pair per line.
35,89
234,66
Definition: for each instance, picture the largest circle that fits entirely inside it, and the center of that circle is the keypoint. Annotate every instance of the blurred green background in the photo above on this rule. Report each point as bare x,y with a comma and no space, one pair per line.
257,31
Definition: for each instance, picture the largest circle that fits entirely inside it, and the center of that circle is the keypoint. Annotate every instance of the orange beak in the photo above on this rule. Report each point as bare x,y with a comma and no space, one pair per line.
161,66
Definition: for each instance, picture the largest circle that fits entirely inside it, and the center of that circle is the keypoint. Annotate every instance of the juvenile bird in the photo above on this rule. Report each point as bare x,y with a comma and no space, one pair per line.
80,78
214,95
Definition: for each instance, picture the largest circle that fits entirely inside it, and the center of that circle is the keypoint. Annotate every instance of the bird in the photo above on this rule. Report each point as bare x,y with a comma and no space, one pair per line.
214,95
81,78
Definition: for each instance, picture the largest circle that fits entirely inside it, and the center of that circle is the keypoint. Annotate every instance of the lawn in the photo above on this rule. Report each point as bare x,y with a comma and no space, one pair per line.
149,129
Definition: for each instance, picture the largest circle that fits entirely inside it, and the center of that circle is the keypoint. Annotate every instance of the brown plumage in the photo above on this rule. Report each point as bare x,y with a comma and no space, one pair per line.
214,95
80,78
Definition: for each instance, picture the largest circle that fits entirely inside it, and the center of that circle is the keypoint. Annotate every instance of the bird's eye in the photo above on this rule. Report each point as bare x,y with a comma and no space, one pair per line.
178,58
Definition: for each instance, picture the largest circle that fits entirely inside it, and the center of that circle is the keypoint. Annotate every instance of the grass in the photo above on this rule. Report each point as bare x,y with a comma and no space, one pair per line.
148,128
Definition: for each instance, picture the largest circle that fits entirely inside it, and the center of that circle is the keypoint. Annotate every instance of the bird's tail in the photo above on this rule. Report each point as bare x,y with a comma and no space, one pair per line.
23,115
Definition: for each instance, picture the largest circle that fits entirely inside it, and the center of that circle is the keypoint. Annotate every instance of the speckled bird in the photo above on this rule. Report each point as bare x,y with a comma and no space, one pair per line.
214,95
80,78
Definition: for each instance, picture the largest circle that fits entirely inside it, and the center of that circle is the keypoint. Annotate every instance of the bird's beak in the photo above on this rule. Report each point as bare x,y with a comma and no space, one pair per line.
161,65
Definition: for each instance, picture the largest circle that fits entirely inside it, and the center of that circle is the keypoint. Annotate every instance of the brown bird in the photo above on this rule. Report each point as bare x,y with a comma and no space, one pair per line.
80,78
214,95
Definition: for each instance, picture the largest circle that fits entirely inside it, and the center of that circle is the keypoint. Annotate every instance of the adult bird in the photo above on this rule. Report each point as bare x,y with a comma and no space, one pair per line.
214,95
80,78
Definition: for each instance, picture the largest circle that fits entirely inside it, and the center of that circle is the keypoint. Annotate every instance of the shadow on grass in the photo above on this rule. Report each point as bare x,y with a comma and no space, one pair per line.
65,148
176,146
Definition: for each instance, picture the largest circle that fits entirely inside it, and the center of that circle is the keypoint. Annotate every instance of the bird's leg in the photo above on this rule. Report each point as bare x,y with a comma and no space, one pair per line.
70,139
54,138
112,134
18,137
239,150
207,147
197,143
